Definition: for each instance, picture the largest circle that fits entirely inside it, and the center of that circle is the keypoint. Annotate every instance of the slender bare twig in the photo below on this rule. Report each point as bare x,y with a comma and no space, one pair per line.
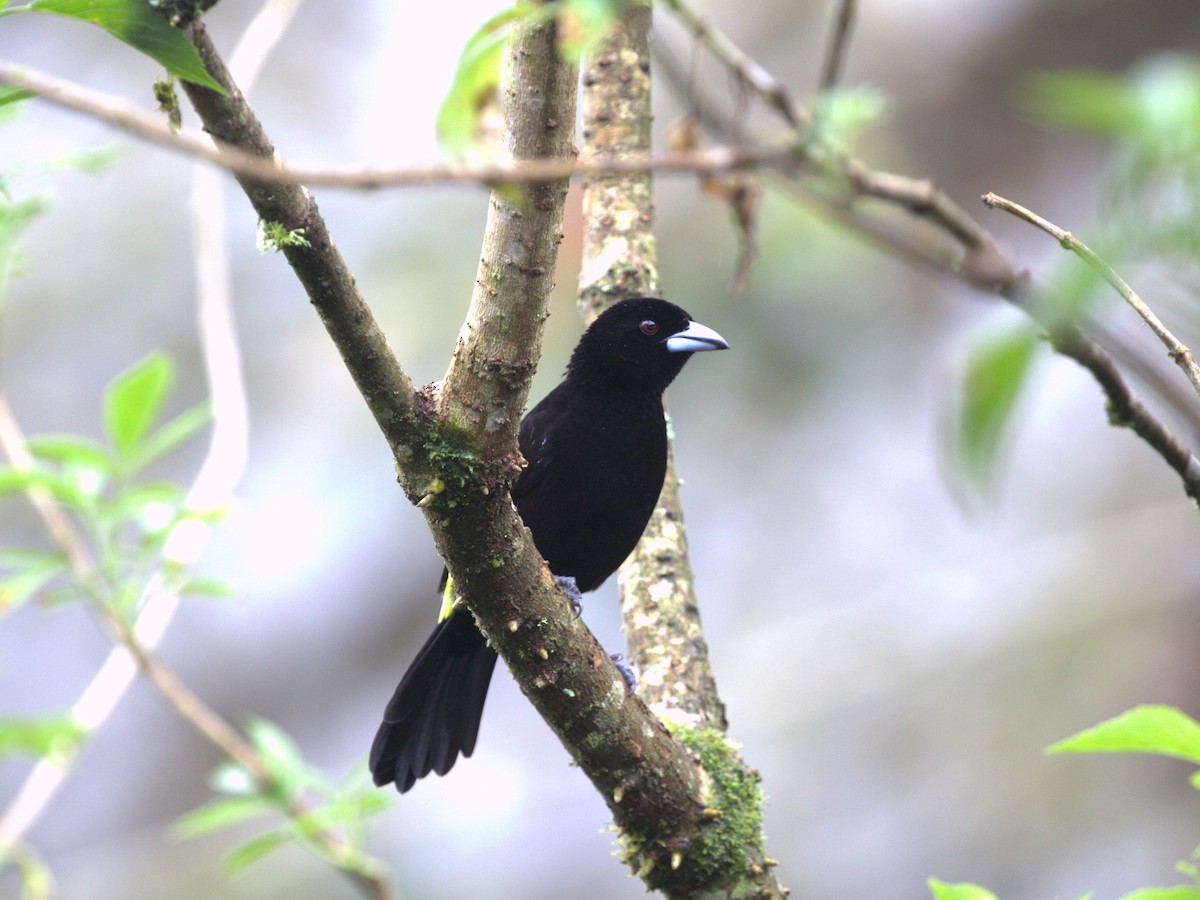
839,40
981,264
147,126
1124,407
1175,349
755,78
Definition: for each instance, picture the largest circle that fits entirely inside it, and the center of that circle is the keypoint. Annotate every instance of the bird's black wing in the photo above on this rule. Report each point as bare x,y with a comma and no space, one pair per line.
535,442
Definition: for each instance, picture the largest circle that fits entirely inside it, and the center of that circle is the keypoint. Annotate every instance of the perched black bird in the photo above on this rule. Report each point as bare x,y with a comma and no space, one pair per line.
596,448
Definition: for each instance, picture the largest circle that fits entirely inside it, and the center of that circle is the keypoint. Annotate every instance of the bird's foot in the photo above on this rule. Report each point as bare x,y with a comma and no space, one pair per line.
625,669
567,585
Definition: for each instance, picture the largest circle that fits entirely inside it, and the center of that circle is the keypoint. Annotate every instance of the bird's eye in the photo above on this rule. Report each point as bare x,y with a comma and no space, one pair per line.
649,327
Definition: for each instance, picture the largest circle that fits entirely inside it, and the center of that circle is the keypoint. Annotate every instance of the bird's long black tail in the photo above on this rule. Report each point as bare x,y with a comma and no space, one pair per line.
434,714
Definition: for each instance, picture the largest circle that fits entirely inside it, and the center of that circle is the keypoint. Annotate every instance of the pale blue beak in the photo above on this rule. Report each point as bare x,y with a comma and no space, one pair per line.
694,338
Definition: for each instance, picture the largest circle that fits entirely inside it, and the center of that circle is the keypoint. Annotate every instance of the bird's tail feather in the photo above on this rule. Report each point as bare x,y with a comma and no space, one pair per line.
433,716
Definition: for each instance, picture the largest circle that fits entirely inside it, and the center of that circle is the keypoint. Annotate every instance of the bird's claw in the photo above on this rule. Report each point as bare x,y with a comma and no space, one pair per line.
568,586
625,669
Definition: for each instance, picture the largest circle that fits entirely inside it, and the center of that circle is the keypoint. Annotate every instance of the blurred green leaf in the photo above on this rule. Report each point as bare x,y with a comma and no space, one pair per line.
37,882
281,757
963,891
13,95
72,487
138,24
1163,730
1155,108
996,371
15,216
170,436
475,82
1083,101
846,112
584,22
72,448
254,850
1182,892
40,737
221,813
31,570
134,399
206,587
90,162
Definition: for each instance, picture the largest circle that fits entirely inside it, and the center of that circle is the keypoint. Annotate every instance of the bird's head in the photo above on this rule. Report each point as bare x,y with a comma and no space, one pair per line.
642,340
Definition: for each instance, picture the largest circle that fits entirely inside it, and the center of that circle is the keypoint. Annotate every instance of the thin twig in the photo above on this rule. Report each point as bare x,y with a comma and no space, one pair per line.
839,41
149,127
981,263
1124,407
1175,348
757,79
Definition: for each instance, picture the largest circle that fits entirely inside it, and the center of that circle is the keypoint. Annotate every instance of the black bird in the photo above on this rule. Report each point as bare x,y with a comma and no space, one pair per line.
596,449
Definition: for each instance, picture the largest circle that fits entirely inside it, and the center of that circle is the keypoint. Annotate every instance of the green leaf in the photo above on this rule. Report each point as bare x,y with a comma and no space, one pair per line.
1163,730
1183,892
475,82
221,813
846,112
73,487
281,757
16,215
1083,101
14,481
584,23
33,569
171,435
72,448
996,372
1156,105
134,399
13,95
37,883
254,850
41,737
963,891
139,25
206,587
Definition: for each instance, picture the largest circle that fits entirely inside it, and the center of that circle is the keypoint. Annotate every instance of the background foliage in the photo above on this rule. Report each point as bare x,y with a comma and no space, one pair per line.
894,662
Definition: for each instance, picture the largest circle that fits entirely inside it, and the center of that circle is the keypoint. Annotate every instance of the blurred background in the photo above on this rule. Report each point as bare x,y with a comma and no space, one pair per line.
893,658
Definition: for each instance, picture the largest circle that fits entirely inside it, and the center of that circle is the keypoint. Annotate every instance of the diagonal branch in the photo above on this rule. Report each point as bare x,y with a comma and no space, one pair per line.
318,265
456,454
